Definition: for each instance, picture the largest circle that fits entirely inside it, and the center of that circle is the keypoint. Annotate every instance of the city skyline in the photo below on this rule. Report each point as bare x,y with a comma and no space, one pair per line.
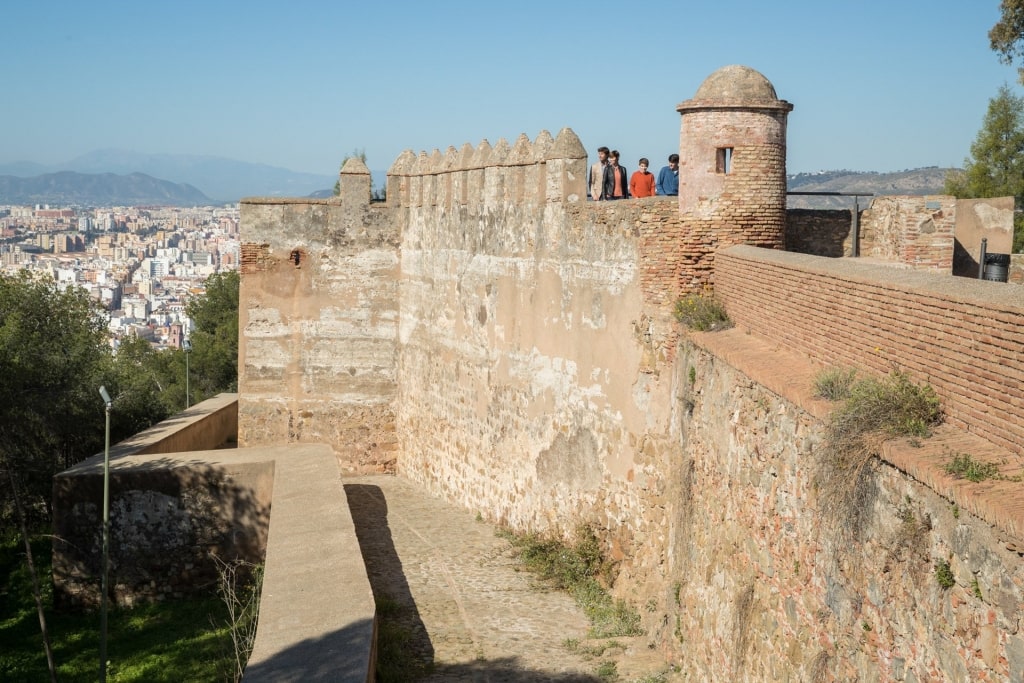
876,86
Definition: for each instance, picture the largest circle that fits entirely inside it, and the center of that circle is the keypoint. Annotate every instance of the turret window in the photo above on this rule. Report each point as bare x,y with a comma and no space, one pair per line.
723,162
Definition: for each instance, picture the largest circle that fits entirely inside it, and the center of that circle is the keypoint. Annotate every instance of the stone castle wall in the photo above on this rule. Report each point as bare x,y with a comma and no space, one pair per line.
742,577
318,326
531,340
513,345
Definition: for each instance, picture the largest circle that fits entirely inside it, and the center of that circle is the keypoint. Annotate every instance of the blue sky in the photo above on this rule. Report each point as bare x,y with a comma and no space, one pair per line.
877,86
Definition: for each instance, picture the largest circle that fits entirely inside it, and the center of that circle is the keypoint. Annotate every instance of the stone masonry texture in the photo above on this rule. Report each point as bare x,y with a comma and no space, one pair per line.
510,347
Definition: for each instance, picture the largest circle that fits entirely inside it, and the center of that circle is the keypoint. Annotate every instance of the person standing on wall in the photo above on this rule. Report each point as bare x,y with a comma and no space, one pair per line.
596,181
668,178
615,180
641,183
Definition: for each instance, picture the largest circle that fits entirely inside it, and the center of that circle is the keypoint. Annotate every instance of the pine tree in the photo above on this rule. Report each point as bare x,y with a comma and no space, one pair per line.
995,167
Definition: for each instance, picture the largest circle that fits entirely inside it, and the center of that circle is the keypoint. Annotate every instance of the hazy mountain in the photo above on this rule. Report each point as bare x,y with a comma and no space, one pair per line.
102,189
918,181
223,180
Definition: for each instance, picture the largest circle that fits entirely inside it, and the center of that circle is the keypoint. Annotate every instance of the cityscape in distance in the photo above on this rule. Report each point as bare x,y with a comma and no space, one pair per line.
142,245
140,263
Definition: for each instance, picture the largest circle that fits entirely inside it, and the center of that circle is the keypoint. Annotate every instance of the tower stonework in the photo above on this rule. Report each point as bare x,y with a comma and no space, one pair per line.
732,169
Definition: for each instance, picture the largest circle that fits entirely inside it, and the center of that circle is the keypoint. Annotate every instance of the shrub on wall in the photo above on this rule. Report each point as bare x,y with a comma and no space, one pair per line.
874,410
700,311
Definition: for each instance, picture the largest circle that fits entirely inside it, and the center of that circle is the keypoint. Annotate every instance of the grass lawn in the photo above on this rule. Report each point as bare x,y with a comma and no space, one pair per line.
169,641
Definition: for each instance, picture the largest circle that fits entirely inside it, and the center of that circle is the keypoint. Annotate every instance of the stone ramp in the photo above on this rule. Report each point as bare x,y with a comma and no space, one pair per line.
471,615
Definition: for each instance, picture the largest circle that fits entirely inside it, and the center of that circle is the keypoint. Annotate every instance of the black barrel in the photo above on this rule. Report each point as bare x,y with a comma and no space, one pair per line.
997,267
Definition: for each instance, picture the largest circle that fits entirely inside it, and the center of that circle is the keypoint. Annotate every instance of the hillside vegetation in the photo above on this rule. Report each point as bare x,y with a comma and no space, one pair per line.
918,181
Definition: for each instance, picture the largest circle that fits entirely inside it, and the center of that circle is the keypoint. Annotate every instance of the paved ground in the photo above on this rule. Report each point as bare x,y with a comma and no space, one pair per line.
453,587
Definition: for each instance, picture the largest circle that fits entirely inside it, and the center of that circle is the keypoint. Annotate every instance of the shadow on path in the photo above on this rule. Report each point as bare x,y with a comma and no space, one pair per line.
390,588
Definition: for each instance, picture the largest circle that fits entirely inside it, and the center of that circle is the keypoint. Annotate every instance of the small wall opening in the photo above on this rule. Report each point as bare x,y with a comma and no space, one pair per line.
296,257
723,160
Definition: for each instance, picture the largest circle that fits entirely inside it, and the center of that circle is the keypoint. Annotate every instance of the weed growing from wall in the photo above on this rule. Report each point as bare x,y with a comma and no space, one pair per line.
834,384
581,569
963,466
702,312
741,626
944,575
874,410
910,540
819,669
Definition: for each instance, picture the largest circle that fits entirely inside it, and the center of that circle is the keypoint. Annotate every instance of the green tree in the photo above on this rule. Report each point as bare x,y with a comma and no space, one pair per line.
1007,36
356,154
143,382
53,358
995,167
213,364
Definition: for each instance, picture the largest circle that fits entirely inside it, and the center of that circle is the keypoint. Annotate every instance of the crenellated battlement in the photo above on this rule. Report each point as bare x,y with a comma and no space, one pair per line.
485,177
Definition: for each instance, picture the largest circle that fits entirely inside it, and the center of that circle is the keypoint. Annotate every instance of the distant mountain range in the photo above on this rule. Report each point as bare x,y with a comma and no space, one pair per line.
67,188
116,177
220,180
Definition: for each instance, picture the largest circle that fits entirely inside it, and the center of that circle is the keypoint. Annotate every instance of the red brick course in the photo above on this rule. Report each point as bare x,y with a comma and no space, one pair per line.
964,337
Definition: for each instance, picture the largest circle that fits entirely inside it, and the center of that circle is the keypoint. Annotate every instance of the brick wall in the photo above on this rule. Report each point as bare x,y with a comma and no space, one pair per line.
964,337
914,231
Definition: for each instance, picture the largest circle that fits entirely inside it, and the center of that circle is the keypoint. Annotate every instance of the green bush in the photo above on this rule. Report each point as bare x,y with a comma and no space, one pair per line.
893,405
581,569
834,384
944,575
700,311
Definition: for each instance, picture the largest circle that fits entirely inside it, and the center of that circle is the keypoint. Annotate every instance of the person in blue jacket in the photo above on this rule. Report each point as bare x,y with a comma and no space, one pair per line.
668,177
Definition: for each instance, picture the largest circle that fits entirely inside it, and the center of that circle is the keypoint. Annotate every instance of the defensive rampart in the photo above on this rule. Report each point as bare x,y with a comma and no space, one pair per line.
538,377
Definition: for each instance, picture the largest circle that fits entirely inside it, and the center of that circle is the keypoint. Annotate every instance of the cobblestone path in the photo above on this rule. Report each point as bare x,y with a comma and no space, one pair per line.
469,615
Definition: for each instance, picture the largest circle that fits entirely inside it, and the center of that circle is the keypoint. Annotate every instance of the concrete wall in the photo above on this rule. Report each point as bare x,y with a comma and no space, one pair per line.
165,518
978,219
171,513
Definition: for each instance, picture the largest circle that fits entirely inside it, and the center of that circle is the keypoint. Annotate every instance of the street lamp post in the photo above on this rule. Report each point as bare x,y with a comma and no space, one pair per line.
186,345
106,537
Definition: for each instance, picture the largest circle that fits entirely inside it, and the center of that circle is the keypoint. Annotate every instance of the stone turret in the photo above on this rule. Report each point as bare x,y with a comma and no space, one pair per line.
732,166
354,183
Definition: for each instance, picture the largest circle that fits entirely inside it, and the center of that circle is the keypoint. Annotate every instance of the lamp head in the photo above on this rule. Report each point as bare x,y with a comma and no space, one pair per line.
186,345
105,395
